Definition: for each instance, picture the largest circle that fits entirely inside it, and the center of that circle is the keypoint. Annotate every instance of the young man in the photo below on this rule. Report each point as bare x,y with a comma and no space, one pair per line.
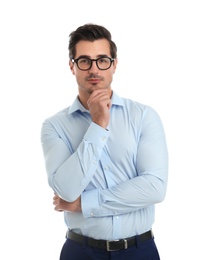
106,159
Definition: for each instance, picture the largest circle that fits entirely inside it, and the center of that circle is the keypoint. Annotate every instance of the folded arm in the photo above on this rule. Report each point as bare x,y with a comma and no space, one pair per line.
148,188
70,172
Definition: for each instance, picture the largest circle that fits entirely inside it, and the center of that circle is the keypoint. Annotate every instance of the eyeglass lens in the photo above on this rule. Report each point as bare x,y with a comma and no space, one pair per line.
103,63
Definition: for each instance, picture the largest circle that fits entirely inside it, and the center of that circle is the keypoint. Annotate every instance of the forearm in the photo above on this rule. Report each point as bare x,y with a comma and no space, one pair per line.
70,172
129,196
148,184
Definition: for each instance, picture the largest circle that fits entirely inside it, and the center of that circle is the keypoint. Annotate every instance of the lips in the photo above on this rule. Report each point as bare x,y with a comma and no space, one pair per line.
96,80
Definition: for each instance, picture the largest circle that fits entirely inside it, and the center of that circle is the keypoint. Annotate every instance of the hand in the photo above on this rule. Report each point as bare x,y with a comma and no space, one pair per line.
62,205
99,105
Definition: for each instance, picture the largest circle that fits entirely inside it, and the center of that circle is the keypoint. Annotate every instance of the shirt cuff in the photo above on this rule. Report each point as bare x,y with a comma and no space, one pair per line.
90,202
96,135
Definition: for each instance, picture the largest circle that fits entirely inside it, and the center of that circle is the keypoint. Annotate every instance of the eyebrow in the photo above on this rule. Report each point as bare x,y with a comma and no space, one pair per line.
98,56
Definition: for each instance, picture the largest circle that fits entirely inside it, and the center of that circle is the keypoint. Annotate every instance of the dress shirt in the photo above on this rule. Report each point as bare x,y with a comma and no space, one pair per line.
119,172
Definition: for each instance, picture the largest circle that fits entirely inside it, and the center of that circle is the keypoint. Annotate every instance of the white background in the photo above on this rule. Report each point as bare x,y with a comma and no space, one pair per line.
163,62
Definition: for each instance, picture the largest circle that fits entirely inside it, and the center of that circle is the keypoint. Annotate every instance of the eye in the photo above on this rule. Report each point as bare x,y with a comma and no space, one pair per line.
103,60
84,61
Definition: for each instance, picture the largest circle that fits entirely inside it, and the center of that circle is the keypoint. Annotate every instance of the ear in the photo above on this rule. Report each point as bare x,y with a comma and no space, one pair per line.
115,65
71,66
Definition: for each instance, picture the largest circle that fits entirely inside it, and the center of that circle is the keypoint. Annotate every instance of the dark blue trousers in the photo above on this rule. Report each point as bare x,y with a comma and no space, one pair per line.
73,250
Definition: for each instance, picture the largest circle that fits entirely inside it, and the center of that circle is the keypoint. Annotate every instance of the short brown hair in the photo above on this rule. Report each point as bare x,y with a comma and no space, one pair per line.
90,32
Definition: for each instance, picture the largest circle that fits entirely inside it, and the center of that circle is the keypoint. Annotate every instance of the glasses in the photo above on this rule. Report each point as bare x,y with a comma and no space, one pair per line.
103,63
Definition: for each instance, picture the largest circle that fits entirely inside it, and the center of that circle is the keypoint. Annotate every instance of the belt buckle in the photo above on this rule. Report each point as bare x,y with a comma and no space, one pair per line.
109,241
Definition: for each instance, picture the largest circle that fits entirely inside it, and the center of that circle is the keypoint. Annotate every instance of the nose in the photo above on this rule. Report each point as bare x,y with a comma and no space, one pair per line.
94,67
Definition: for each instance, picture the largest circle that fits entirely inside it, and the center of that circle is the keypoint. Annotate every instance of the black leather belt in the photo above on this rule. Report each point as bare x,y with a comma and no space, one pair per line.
109,245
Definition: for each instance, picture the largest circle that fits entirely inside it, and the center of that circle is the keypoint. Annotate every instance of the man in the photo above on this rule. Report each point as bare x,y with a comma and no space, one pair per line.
106,159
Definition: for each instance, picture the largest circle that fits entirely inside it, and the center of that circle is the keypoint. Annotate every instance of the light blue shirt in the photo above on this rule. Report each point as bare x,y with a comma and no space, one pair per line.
120,172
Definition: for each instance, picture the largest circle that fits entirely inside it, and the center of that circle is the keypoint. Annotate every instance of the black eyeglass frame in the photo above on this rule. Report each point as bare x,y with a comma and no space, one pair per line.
91,60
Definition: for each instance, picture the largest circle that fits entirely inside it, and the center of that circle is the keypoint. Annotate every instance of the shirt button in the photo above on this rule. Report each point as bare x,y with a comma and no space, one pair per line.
91,214
103,138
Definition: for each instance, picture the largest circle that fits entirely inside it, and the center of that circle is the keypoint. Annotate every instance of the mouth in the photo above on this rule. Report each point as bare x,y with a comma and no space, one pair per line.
94,80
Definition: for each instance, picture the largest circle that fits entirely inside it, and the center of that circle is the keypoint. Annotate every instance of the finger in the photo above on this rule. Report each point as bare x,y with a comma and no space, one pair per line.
55,202
98,91
58,209
98,96
101,100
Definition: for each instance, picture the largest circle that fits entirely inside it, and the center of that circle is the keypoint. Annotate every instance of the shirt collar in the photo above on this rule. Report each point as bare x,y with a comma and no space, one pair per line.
76,105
